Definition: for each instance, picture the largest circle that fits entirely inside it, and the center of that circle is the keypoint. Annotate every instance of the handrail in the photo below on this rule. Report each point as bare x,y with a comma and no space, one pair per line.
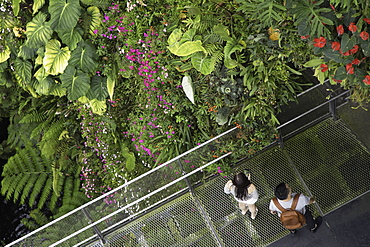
118,188
140,199
311,110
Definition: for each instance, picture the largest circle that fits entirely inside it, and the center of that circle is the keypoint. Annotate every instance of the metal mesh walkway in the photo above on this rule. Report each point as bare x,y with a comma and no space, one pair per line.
326,161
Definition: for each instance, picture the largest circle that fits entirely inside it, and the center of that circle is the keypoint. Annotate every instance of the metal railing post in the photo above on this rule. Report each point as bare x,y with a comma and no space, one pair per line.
96,229
200,206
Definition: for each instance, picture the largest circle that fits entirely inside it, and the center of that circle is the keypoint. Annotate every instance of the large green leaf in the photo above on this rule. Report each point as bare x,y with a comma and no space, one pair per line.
44,86
23,69
91,20
83,57
38,31
64,14
76,82
44,82
229,49
58,90
71,37
5,54
15,6
187,48
202,63
27,53
187,86
98,88
37,4
56,58
97,106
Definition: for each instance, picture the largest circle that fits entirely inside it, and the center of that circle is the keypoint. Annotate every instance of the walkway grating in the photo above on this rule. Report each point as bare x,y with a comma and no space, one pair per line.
326,161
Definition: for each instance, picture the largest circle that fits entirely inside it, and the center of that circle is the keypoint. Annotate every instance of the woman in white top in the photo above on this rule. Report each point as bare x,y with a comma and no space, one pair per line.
244,192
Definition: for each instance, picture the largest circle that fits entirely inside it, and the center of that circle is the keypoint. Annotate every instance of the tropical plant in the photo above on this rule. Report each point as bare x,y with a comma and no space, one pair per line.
342,54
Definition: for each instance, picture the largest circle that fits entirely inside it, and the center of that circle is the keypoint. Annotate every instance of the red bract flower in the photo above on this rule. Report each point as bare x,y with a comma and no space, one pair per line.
364,35
367,20
340,29
354,50
324,67
335,46
347,53
356,61
319,42
305,37
349,68
352,27
337,81
367,80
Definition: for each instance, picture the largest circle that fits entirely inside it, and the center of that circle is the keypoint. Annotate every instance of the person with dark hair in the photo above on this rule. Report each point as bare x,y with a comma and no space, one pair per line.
285,197
244,192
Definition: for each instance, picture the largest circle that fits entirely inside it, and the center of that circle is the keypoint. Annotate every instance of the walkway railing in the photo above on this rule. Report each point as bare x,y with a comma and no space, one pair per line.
129,200
138,196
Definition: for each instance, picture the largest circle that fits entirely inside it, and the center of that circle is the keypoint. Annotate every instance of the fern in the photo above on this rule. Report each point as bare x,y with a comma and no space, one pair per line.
33,117
24,174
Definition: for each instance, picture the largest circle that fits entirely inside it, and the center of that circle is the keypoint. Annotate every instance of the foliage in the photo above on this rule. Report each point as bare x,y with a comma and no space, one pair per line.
342,55
106,91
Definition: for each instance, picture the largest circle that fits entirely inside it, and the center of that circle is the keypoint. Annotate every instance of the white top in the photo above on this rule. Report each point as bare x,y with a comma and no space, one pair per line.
302,202
249,199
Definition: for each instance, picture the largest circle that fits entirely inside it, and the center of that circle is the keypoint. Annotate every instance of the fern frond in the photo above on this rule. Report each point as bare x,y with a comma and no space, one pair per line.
213,48
23,174
212,38
33,117
36,191
45,192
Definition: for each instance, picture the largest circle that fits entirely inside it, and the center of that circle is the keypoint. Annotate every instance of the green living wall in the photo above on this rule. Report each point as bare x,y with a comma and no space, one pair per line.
100,92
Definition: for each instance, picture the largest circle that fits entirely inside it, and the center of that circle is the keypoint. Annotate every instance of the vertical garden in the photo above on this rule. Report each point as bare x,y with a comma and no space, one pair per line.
99,92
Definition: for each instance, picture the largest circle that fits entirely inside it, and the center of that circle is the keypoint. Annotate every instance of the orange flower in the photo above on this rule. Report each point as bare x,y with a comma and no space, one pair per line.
364,35
340,29
319,42
350,69
305,37
354,50
356,61
335,46
352,27
324,67
367,80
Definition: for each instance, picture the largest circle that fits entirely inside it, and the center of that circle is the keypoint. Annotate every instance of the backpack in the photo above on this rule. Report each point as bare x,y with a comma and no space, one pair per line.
290,218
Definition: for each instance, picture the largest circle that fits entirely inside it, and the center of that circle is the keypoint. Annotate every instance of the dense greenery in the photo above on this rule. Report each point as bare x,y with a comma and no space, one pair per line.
102,92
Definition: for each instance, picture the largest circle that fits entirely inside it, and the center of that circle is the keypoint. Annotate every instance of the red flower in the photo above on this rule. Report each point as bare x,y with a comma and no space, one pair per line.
350,69
335,46
305,37
340,29
367,80
367,20
364,35
347,53
354,50
356,61
352,27
324,67
319,42
332,7
337,81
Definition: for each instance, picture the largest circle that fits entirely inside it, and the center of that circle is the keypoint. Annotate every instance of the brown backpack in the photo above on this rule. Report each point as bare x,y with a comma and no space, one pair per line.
290,218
